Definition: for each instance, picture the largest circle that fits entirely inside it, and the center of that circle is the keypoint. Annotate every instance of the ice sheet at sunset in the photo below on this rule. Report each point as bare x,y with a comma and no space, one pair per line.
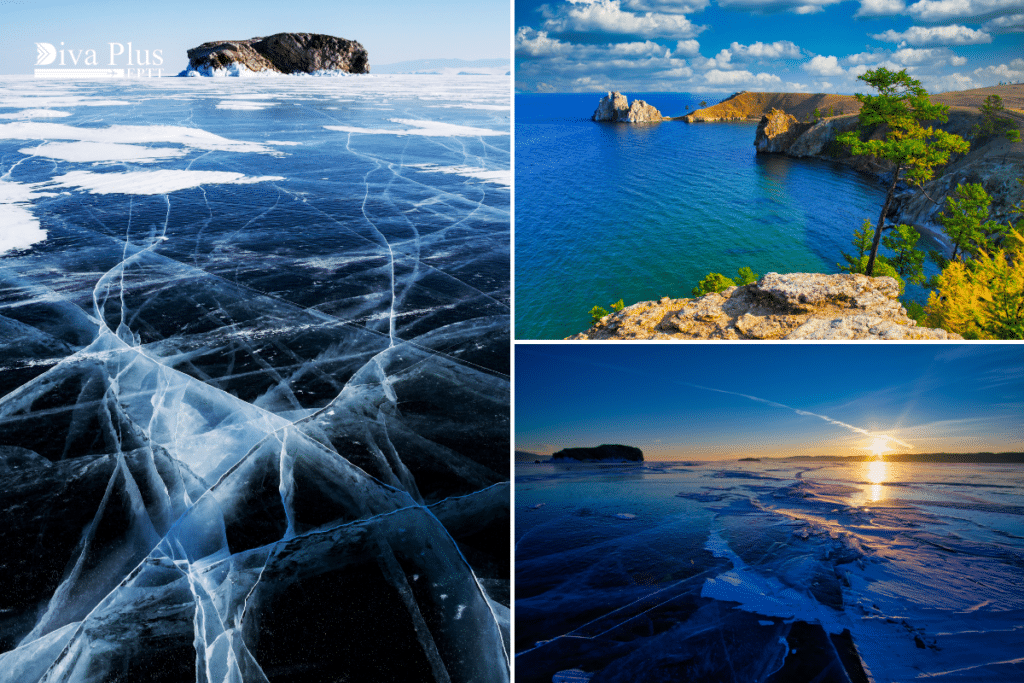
747,571
254,382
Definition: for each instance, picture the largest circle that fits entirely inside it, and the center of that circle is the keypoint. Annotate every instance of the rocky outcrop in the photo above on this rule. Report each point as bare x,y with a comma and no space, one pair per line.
615,107
778,131
285,53
790,306
606,452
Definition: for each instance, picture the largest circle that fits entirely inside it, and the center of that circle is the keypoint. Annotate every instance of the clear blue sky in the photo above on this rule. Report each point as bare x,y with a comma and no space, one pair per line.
706,46
672,402
393,31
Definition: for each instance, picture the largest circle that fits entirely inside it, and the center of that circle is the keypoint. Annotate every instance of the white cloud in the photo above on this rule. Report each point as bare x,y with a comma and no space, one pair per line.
824,66
781,49
765,6
935,35
940,10
716,77
990,75
666,6
866,57
531,43
948,82
910,56
688,48
880,8
958,61
1013,23
607,16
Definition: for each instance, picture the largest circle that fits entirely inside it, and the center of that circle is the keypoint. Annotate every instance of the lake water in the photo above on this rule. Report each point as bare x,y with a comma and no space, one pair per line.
769,571
611,211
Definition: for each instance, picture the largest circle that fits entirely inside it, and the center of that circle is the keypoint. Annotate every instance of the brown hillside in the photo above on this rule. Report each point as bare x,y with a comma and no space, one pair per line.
754,105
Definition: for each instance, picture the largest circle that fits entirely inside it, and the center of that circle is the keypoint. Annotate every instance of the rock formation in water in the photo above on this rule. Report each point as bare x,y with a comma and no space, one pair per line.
282,53
605,452
615,107
791,306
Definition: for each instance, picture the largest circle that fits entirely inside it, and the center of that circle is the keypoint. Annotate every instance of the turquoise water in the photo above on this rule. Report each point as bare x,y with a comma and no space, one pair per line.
611,211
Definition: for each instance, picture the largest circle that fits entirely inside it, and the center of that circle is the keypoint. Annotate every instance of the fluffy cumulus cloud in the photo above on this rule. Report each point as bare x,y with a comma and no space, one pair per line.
880,8
943,10
824,66
781,49
1013,23
920,36
607,16
765,6
753,82
532,43
688,48
666,6
990,75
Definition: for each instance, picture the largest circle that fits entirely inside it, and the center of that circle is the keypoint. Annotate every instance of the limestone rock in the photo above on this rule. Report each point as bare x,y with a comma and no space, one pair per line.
615,107
779,306
610,452
282,52
777,131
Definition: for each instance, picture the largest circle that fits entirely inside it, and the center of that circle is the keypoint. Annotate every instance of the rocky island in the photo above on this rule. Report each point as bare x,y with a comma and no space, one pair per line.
615,107
284,53
789,306
602,453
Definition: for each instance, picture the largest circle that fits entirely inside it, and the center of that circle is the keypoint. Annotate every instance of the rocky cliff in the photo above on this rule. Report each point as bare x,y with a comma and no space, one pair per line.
615,107
995,163
792,306
285,53
606,452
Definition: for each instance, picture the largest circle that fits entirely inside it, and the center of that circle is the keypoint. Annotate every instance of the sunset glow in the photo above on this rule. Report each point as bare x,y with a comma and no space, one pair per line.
879,446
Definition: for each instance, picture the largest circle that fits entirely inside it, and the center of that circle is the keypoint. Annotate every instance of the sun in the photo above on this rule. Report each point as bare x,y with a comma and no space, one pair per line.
879,446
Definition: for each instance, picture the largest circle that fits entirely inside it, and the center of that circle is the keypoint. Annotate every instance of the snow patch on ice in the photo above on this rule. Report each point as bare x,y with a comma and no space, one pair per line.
101,151
242,71
244,105
20,228
572,676
190,137
152,182
427,128
498,177
35,114
625,515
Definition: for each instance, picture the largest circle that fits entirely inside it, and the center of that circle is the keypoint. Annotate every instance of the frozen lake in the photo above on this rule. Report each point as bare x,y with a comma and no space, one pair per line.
254,379
769,571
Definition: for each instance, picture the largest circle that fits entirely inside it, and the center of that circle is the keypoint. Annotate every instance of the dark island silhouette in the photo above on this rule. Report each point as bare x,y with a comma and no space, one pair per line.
604,452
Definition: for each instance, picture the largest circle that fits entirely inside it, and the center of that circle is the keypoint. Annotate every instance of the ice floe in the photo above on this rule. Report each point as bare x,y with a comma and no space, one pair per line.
102,151
152,182
427,128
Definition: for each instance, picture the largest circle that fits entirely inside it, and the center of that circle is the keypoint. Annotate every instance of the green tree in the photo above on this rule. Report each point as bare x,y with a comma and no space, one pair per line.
816,115
906,259
993,123
746,276
862,240
965,223
900,108
714,282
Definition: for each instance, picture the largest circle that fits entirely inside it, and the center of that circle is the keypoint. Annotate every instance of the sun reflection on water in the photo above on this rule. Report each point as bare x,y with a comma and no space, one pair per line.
877,474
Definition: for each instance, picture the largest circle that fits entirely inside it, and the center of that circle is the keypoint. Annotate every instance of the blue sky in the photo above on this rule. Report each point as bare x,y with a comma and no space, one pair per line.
710,46
709,401
393,31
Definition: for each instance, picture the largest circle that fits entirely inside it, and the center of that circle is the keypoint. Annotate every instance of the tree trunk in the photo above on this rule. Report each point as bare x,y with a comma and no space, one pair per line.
881,221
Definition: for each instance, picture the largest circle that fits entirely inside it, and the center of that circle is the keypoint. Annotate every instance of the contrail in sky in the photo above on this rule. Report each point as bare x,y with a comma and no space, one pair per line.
826,418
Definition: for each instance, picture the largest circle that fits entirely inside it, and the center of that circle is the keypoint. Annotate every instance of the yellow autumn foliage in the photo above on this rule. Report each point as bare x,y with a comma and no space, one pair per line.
983,298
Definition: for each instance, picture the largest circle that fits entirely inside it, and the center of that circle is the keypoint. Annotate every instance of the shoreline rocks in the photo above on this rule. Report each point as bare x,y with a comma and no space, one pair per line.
778,306
285,53
615,107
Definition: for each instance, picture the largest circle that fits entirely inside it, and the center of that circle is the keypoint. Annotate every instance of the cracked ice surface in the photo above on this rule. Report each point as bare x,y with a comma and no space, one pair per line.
254,380
771,571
